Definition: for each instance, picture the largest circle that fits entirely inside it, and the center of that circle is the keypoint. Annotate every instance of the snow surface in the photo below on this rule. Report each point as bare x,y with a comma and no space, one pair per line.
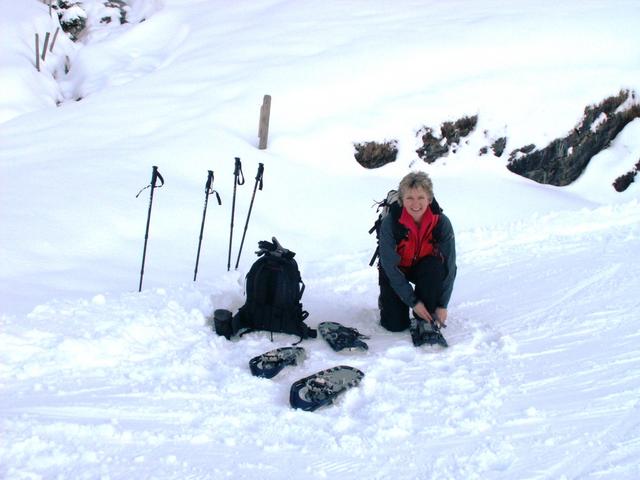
542,378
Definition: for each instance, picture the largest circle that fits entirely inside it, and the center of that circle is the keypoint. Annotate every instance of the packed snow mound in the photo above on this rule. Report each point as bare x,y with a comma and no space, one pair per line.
139,383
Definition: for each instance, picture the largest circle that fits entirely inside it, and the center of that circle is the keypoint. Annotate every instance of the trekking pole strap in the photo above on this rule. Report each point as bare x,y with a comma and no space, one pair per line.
208,190
155,174
237,172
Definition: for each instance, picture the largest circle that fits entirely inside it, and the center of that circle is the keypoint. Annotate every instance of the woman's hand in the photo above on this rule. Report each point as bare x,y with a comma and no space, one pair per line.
441,314
421,311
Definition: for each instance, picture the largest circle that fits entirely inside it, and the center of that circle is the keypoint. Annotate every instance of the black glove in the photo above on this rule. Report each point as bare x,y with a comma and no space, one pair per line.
273,248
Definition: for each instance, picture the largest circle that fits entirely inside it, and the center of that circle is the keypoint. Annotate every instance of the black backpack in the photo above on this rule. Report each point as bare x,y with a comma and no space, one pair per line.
383,208
274,289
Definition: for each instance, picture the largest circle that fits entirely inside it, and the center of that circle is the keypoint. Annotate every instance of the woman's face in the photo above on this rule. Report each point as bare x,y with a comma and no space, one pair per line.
416,201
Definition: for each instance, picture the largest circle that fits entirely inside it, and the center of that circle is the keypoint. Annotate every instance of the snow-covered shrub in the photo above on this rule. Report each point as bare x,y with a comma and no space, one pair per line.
374,154
451,133
77,15
73,18
114,11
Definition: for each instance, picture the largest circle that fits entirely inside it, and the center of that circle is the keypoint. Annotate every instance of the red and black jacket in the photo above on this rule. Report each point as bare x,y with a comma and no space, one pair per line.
402,244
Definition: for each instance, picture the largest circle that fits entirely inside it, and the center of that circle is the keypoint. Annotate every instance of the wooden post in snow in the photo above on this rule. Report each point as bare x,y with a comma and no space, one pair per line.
263,129
38,52
46,45
53,42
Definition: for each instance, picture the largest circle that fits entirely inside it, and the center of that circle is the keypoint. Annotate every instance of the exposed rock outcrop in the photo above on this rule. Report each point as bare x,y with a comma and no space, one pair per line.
623,181
564,159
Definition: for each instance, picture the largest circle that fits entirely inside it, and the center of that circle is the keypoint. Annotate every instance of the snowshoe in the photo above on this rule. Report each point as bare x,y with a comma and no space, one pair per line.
269,364
322,388
423,332
340,337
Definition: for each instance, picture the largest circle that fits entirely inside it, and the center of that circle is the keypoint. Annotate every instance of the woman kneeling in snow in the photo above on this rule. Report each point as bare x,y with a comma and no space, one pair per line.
417,246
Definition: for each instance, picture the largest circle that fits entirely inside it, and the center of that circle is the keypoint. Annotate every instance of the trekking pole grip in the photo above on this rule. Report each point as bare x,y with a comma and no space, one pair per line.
260,174
237,180
207,188
155,175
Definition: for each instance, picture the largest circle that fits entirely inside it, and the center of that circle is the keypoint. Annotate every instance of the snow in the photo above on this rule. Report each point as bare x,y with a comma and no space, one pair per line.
542,377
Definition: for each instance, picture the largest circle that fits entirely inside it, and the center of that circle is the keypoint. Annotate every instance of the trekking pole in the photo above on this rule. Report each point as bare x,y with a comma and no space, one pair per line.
207,191
154,176
258,181
238,180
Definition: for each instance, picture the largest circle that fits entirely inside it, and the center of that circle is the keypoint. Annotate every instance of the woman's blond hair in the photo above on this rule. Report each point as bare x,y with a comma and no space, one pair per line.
415,180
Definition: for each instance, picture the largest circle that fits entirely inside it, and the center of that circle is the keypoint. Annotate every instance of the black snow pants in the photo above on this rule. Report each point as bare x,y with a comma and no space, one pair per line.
427,276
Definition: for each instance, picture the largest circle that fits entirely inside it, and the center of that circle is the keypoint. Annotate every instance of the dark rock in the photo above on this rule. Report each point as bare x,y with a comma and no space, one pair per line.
499,146
623,181
520,152
564,159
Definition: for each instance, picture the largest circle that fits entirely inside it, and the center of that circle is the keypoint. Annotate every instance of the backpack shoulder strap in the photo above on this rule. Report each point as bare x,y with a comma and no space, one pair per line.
390,207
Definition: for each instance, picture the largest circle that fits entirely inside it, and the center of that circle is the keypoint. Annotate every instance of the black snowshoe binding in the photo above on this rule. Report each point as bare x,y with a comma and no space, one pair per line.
269,364
423,332
340,337
322,388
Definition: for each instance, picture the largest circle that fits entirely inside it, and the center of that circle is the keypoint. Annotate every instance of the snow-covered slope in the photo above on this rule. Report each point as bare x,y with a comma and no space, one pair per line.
99,381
